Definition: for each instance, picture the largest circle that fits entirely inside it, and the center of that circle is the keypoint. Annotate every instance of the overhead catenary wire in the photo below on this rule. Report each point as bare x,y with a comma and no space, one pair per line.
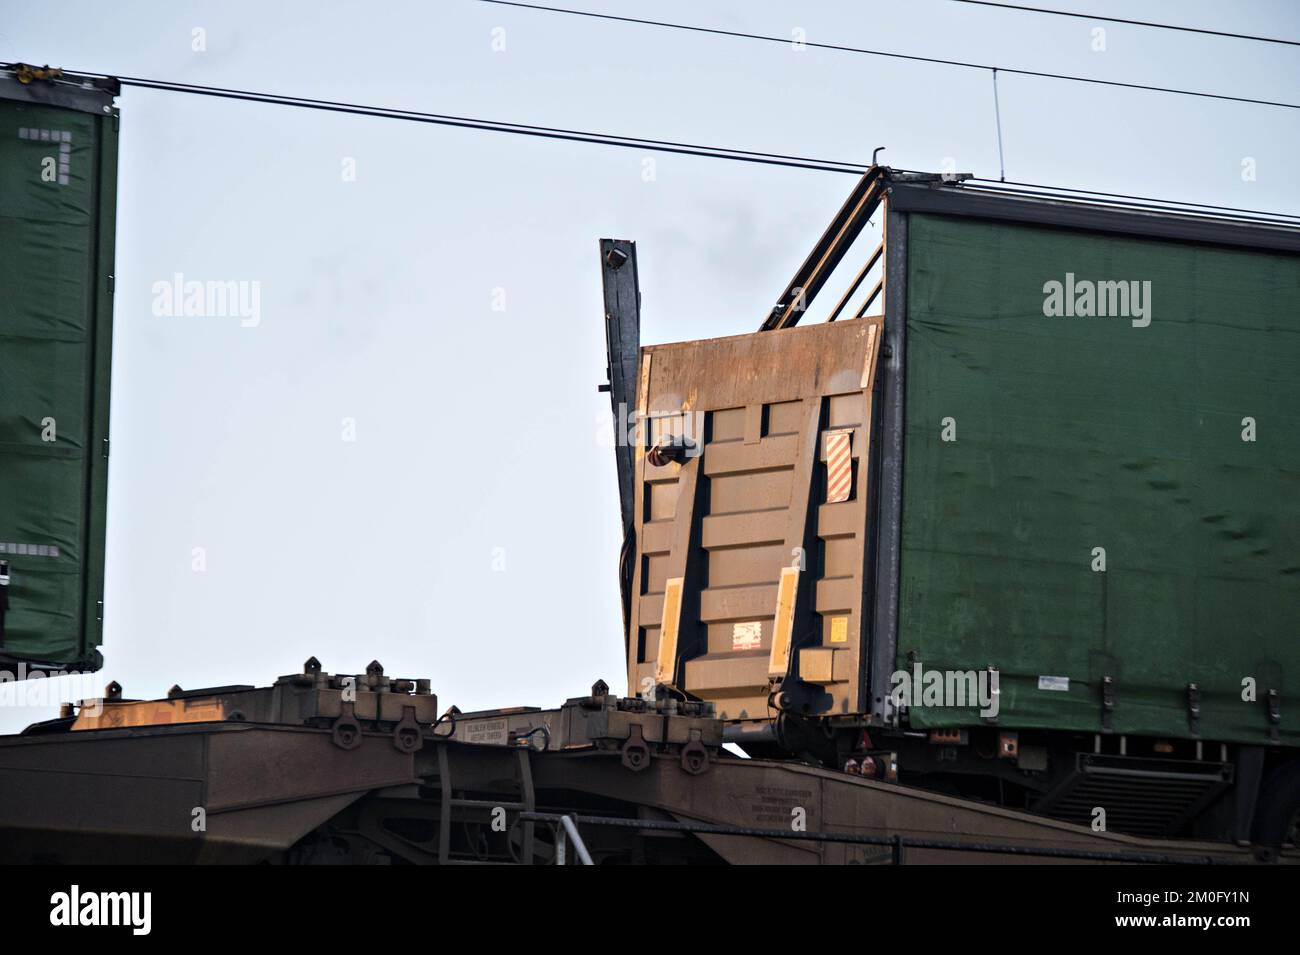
1136,23
596,138
841,48
521,129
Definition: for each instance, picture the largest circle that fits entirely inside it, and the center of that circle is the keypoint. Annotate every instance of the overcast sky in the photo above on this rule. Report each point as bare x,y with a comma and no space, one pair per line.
469,533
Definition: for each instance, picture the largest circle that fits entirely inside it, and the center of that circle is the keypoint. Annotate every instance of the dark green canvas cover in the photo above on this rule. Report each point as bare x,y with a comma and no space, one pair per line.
1073,433
57,194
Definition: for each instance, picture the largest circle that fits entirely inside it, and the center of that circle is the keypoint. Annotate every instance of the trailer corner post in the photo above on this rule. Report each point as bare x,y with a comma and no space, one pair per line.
618,275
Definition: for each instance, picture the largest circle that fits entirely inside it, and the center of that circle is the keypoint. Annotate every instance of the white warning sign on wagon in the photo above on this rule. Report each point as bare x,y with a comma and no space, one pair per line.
747,636
839,466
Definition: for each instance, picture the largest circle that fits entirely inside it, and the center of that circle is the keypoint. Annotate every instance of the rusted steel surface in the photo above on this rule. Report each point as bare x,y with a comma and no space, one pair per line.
744,506
296,698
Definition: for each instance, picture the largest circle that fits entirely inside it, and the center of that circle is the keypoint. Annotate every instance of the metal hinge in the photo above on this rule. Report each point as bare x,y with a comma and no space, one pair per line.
1274,715
1107,704
111,283
105,447
1194,709
995,693
4,597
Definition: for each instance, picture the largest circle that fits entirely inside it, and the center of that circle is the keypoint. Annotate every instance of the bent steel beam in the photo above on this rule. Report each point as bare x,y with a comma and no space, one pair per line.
829,250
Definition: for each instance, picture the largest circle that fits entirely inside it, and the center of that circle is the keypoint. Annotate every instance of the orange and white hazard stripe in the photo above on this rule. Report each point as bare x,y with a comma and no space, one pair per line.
839,466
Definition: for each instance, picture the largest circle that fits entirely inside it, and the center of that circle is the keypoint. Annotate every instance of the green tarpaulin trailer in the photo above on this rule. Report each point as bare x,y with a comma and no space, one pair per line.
58,176
1100,444
1029,514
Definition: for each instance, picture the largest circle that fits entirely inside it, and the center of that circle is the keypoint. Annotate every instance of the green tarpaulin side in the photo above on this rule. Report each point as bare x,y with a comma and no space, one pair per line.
1074,433
51,397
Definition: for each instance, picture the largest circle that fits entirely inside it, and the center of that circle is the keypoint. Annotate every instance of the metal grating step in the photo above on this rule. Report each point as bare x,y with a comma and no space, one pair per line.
1141,797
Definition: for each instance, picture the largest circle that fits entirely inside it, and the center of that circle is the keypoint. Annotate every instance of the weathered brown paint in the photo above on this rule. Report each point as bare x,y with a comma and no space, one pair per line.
752,503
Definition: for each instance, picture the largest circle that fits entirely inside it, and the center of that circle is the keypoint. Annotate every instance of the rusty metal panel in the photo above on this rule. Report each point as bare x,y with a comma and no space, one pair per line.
737,441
